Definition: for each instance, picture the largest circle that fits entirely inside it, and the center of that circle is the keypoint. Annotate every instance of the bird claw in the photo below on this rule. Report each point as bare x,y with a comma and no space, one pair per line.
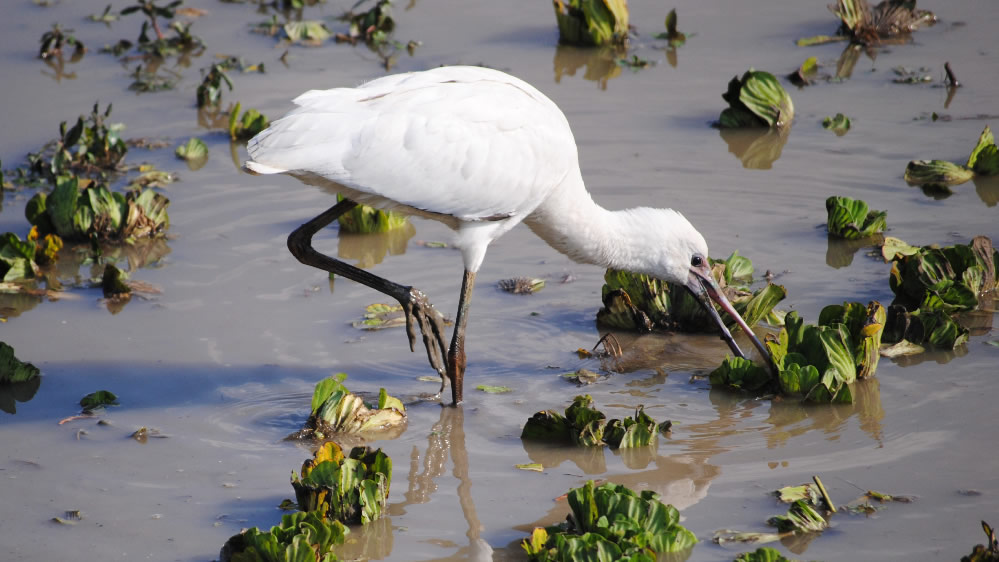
420,312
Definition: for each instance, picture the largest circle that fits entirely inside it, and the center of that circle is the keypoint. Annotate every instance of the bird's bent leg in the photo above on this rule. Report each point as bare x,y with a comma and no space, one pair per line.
418,309
456,354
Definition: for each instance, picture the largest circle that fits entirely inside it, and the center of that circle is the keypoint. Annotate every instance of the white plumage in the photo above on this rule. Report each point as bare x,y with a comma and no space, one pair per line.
480,151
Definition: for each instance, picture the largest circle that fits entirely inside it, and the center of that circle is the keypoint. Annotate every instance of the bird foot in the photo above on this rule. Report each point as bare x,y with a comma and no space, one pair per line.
419,312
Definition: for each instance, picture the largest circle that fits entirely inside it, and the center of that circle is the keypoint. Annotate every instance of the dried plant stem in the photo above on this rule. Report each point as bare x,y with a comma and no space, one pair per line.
825,494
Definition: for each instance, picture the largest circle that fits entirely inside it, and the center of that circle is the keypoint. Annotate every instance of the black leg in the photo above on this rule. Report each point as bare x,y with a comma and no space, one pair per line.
418,309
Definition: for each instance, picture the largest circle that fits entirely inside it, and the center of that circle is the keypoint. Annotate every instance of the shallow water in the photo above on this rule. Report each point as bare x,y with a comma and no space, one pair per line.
222,362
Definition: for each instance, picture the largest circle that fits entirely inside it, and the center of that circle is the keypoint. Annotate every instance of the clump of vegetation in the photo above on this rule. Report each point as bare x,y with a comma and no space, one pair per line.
890,20
806,72
162,46
521,285
83,209
194,152
672,36
816,362
300,537
983,161
98,401
933,285
54,42
21,259
371,26
363,219
592,23
988,552
586,426
91,147
336,410
762,554
12,369
838,123
210,90
350,489
642,303
851,219
756,100
247,125
611,522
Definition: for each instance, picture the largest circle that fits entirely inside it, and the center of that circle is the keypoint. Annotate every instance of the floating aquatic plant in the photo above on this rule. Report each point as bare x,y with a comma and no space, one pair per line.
816,362
350,489
762,554
21,259
592,22
851,219
672,36
209,92
336,410
55,40
194,152
247,125
585,425
838,123
983,161
363,219
642,303
988,552
890,20
756,100
933,286
86,210
91,147
12,369
300,537
611,522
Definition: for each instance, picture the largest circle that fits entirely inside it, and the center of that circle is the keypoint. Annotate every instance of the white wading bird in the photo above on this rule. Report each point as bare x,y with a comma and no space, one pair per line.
479,151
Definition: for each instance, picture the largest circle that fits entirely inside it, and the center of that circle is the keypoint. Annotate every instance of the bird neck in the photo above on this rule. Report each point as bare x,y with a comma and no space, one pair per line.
572,223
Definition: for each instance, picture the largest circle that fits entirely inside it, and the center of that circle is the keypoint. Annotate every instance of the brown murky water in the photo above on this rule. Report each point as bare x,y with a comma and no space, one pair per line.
223,361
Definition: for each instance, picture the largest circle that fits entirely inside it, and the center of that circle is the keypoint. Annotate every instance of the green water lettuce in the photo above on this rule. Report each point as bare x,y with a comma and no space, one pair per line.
336,410
21,259
83,209
363,219
802,517
300,537
611,522
584,425
984,159
756,100
838,123
851,219
951,279
592,22
936,173
762,554
194,152
350,489
816,362
246,125
638,302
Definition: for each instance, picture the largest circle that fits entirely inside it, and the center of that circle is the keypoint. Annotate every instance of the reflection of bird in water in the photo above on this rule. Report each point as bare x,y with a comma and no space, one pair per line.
479,151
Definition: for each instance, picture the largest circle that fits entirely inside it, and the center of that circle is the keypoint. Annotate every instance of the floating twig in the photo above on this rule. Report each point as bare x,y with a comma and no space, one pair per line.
825,494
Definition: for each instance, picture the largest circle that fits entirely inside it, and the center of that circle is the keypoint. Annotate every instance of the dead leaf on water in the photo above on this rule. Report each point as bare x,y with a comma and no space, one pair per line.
533,466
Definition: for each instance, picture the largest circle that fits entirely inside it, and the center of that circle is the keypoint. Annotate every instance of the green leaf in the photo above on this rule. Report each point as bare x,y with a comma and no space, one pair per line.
736,372
894,248
489,389
97,400
762,554
984,159
801,517
13,370
62,205
757,99
592,22
194,151
309,31
851,219
533,466
363,219
936,173
337,410
839,123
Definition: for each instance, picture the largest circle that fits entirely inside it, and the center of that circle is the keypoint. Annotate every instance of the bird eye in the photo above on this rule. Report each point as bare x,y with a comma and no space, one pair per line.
696,261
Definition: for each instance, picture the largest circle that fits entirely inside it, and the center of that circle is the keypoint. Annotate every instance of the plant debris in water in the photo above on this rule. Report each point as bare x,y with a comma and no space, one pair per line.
611,522
335,410
806,73
890,20
851,219
349,489
379,316
54,42
209,92
641,303
817,362
933,285
756,100
592,22
300,537
521,285
586,426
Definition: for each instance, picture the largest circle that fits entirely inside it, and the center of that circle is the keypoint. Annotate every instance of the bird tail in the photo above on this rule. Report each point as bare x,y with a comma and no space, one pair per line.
256,168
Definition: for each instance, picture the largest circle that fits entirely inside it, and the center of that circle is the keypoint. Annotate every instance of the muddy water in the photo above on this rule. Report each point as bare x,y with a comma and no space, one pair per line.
223,360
